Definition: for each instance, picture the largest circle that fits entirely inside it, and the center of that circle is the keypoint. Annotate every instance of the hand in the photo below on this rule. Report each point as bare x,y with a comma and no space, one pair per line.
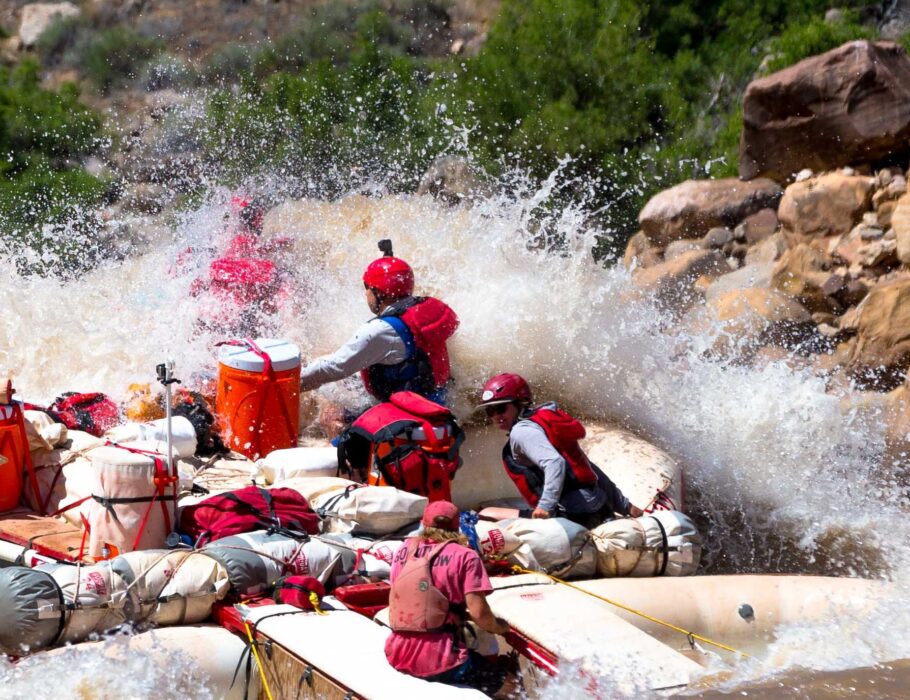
504,627
635,511
540,513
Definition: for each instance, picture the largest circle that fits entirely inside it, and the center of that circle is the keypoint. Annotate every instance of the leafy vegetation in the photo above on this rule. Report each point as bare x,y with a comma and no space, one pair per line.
42,133
634,96
109,56
625,98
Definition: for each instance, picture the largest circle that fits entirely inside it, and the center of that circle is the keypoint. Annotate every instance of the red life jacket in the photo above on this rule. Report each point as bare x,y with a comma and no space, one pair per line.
563,431
424,324
408,442
415,604
243,281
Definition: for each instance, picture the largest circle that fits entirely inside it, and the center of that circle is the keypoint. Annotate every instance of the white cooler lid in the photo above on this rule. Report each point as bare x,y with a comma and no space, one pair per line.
284,355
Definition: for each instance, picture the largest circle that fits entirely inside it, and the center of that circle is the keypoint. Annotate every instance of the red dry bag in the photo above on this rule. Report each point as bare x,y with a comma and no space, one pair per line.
245,510
93,412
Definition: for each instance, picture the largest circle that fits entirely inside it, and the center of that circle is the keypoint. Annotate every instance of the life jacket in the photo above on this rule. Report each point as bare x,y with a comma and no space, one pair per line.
424,324
415,604
93,412
408,442
243,281
563,431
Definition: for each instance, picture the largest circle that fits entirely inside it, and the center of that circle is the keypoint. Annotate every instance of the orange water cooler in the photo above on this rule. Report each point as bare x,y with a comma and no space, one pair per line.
258,395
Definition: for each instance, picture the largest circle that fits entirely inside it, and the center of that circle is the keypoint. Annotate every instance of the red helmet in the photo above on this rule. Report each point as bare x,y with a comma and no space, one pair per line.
505,388
391,277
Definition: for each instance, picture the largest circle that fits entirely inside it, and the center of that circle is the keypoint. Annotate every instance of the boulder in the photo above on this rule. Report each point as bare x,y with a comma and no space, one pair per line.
757,227
884,211
767,250
676,248
881,355
673,282
747,277
690,209
894,188
900,223
38,16
849,105
452,179
765,316
829,205
896,413
881,253
717,237
801,273
640,252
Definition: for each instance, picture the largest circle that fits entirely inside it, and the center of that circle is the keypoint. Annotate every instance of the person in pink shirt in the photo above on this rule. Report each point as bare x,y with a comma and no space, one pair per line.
438,584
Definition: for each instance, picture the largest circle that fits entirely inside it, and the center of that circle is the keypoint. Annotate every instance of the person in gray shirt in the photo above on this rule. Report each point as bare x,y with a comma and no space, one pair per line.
403,348
544,460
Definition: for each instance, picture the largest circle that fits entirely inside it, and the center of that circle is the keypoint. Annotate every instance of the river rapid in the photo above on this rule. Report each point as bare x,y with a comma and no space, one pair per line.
780,476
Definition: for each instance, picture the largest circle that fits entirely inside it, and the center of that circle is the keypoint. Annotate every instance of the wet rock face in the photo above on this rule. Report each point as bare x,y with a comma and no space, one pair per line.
451,179
851,104
826,206
881,355
694,207
673,282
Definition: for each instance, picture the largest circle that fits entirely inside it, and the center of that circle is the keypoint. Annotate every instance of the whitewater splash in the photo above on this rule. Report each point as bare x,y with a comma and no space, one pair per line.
781,477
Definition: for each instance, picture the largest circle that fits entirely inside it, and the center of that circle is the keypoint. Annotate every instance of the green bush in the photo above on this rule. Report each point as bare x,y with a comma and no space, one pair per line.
816,36
630,97
43,134
116,55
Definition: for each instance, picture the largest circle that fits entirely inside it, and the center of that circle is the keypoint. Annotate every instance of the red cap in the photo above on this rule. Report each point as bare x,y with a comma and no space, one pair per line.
441,514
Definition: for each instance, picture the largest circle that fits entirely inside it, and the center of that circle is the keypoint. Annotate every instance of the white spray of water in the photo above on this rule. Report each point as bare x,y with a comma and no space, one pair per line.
766,449
116,671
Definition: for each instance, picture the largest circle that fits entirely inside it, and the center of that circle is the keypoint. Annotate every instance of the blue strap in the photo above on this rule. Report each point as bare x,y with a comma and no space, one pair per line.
468,526
401,328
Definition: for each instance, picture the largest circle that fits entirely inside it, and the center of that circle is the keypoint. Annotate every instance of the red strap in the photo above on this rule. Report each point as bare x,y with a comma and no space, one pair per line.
60,511
86,528
161,480
265,384
250,344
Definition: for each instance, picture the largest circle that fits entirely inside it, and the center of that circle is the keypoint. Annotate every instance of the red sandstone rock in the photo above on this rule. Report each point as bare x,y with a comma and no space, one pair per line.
692,208
849,105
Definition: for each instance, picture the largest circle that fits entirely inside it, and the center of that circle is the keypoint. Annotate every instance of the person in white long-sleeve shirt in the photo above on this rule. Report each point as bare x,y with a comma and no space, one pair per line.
403,348
544,460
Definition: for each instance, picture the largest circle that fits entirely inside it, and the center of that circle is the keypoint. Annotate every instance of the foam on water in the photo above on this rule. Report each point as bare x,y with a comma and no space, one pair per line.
780,475
92,672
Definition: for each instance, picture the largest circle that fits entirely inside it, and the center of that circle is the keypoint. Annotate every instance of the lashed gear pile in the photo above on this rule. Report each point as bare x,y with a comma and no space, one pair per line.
67,604
665,543
255,561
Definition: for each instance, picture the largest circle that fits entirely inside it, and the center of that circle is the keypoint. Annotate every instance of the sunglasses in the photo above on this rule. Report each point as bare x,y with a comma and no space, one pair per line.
498,409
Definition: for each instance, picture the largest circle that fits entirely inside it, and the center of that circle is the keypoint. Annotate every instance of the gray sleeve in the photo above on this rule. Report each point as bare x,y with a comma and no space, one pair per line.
374,343
530,441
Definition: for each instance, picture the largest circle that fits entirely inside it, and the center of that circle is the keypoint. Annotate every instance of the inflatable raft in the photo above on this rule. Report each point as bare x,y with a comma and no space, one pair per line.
338,655
564,626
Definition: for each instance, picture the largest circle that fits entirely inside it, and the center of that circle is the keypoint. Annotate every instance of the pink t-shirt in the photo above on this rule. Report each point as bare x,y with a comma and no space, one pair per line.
456,571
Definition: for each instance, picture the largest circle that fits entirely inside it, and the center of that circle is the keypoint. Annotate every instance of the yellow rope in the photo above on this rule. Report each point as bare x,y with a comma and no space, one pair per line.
265,683
314,601
689,635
